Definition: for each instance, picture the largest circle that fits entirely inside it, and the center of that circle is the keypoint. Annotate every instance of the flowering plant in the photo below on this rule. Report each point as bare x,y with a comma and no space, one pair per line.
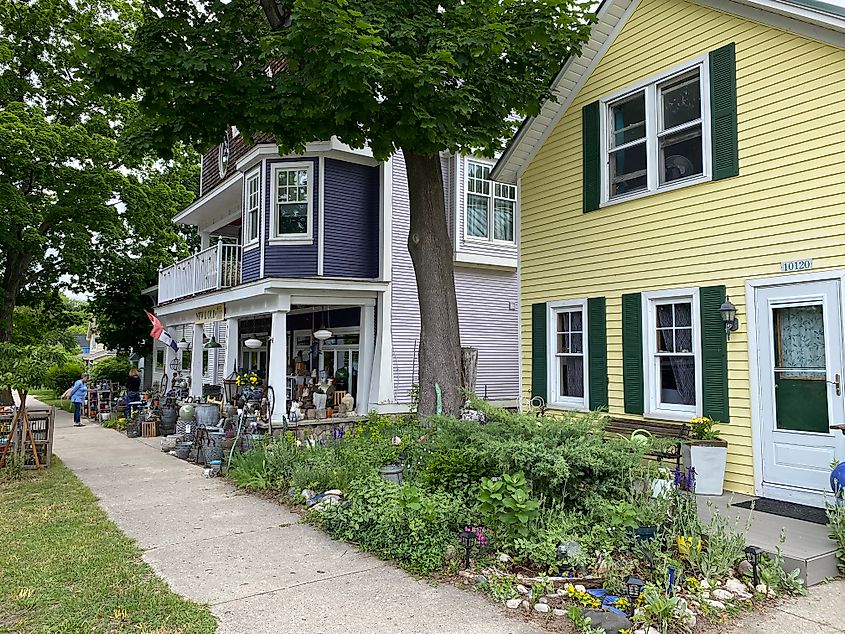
247,379
701,428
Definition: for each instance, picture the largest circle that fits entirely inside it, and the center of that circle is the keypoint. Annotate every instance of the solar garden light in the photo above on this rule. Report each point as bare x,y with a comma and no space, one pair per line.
752,556
467,540
633,589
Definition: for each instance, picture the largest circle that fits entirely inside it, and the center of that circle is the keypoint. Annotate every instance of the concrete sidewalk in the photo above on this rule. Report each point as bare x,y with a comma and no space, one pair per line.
263,572
250,560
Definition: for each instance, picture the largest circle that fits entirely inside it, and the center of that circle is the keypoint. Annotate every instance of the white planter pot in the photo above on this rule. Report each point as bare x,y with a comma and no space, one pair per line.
709,460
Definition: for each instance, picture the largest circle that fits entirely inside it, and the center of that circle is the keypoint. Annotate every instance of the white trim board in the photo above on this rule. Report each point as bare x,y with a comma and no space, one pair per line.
612,16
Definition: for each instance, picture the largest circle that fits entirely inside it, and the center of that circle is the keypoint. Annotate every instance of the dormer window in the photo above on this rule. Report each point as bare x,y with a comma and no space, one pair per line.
292,198
490,206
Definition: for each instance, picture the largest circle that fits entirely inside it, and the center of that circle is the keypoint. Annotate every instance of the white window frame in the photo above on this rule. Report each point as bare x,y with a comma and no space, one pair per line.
653,407
247,241
159,348
291,238
650,86
555,399
491,207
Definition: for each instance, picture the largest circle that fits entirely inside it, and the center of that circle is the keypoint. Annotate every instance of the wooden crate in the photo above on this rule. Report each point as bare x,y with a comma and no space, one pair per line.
148,429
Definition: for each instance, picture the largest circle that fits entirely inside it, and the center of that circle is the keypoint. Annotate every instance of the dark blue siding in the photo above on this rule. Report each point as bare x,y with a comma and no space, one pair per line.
350,247
251,266
294,260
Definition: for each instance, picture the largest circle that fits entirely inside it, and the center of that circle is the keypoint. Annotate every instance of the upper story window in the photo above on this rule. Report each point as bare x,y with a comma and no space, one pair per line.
490,206
292,196
657,135
672,356
253,205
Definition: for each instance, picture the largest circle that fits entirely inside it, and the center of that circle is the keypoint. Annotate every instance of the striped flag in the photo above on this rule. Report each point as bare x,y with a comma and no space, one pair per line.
158,332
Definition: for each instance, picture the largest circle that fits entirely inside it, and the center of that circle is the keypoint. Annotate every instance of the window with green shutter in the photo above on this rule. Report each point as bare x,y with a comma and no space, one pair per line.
714,355
590,133
597,352
723,119
632,352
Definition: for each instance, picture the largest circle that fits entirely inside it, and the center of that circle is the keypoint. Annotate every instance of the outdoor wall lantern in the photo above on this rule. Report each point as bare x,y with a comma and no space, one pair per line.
728,311
252,343
212,344
633,588
467,540
183,345
752,556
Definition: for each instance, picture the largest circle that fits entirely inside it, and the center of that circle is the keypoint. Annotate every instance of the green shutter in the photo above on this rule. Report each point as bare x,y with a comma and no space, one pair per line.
714,354
591,156
539,370
597,351
632,352
723,119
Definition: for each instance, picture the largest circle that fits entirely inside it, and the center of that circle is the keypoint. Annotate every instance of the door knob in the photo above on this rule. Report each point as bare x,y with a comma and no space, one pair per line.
837,381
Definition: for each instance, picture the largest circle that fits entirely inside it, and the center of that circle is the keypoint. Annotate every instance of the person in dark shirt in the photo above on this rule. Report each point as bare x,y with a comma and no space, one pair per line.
133,391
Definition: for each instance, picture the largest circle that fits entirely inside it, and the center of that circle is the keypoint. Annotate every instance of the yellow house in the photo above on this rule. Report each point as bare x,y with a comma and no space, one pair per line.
695,153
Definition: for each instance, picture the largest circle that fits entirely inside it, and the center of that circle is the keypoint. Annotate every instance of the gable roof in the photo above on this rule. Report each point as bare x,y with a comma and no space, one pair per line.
816,19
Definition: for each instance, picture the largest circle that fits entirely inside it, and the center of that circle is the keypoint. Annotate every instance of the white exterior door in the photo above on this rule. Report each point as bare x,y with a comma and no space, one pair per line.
800,365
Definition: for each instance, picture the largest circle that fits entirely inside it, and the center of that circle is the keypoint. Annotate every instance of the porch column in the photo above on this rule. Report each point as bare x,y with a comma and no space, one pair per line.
205,240
196,361
233,337
381,385
366,350
278,368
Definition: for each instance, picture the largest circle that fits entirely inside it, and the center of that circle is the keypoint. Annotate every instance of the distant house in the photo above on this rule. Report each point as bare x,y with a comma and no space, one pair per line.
295,245
95,350
693,154
84,343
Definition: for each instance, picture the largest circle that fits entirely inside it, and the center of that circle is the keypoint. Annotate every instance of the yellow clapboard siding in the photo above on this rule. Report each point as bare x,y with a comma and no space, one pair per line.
787,203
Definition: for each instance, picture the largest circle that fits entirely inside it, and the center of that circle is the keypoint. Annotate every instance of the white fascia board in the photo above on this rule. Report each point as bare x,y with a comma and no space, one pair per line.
815,25
331,149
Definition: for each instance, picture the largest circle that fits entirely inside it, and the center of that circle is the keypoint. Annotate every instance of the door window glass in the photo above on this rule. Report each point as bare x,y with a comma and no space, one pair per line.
800,369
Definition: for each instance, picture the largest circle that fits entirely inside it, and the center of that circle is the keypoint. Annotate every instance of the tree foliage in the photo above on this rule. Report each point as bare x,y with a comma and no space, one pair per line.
421,77
71,196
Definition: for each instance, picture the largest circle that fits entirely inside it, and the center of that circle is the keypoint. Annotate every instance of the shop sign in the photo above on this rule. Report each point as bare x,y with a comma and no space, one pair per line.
210,313
796,265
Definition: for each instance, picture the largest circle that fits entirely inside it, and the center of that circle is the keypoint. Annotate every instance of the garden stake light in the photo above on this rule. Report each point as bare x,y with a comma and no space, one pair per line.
467,540
633,588
671,587
752,556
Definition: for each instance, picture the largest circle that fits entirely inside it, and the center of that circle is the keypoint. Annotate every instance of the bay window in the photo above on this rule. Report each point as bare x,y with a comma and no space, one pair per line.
292,202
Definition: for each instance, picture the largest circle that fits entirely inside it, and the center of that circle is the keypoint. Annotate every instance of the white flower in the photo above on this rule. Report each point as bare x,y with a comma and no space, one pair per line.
397,441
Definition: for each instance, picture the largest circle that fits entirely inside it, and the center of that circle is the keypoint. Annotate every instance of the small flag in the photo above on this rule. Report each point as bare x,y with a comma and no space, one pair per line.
158,332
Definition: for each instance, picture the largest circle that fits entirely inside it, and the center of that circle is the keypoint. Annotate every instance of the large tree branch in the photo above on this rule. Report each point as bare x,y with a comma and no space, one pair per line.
277,13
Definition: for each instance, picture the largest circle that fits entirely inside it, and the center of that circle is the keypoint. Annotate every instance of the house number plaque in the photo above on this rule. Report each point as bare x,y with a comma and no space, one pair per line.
796,265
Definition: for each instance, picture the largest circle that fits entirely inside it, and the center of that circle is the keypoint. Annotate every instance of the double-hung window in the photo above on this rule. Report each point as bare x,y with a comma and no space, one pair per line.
253,205
490,206
567,323
672,359
657,135
292,202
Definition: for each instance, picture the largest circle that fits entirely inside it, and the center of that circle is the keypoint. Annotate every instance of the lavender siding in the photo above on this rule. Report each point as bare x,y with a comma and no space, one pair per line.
351,198
251,265
290,260
484,305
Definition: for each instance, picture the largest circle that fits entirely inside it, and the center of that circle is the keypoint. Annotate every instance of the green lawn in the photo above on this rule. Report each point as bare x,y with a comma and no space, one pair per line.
48,397
66,569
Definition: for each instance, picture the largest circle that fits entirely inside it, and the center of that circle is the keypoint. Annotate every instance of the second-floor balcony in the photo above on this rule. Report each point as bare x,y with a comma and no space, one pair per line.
209,270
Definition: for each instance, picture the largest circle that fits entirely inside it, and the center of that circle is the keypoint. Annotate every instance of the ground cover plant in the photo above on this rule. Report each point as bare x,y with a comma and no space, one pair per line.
559,514
64,567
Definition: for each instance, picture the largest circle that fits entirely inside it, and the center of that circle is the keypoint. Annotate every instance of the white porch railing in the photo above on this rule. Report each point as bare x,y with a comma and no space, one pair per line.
209,270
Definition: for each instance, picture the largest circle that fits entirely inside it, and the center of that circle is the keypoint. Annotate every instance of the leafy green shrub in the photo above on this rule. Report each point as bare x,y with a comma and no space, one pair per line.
110,369
836,524
505,505
457,471
61,377
407,524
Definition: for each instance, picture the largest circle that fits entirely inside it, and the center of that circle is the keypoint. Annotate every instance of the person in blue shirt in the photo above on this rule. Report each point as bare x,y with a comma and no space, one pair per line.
77,396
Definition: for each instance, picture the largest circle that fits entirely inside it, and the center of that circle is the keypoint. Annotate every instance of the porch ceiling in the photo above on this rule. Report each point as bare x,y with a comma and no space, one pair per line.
218,208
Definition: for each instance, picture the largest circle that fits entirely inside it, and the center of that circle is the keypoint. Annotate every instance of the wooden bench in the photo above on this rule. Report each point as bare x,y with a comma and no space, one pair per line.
658,429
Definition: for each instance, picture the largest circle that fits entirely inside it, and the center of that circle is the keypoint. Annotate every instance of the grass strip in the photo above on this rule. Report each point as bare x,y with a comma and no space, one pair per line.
66,569
48,397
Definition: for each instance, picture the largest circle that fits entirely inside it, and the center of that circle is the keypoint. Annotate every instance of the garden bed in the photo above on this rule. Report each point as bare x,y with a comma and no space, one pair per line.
550,517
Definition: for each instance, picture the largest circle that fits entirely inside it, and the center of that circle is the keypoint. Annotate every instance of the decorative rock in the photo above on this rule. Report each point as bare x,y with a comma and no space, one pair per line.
480,579
504,558
526,606
513,604
652,630
559,612
718,605
705,595
336,492
705,585
542,600
737,587
764,589
722,595
541,607
745,569
521,589
610,622
307,494
580,588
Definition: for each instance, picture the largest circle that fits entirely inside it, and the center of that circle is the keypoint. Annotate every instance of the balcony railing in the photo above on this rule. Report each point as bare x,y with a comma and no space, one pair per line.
209,270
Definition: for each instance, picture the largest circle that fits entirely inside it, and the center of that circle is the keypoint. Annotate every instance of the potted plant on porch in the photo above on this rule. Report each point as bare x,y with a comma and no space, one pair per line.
706,454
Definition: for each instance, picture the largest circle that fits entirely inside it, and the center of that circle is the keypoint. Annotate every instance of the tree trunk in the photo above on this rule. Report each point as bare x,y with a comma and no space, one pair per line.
16,265
431,253
469,368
